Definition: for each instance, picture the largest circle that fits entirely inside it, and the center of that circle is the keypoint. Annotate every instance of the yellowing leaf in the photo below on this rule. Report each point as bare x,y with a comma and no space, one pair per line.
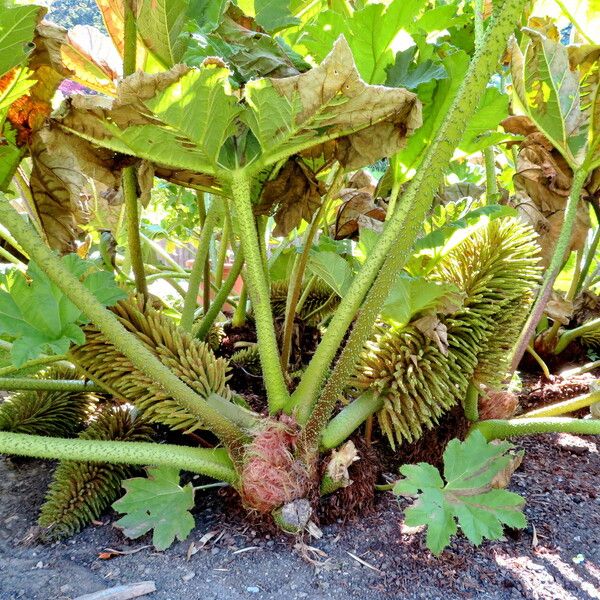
92,58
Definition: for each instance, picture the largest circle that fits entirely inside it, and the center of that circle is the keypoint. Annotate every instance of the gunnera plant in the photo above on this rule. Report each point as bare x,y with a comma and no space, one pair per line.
188,358
417,378
81,491
318,302
56,413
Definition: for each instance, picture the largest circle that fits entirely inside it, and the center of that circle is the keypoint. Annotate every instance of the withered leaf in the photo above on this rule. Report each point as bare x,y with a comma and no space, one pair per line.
542,184
296,194
57,188
355,204
434,329
92,58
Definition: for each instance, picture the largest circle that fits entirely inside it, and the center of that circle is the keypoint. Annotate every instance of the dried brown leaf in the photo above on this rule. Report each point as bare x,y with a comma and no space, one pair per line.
57,188
356,203
296,194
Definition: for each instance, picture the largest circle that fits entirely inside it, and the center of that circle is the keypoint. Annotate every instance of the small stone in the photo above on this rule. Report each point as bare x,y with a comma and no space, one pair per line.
39,565
252,589
189,576
65,588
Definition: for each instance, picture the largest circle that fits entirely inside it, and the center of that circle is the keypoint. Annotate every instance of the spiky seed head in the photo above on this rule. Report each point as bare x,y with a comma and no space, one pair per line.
81,491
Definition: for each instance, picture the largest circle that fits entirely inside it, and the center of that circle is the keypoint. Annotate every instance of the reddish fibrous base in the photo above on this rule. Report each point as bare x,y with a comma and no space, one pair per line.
271,475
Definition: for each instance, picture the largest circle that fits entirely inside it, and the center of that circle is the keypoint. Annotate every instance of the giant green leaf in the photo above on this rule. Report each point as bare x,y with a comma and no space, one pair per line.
370,31
468,496
190,119
17,25
160,24
330,102
39,317
437,98
157,503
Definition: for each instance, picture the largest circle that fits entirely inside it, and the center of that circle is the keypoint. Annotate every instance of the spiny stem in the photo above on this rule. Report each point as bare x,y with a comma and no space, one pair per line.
300,263
498,429
219,300
36,362
556,262
191,296
129,177
114,331
222,254
213,462
11,384
562,408
133,229
260,294
394,245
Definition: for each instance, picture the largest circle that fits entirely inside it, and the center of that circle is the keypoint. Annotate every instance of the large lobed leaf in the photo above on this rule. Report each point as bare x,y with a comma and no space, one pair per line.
558,88
159,503
191,119
40,318
469,495
17,24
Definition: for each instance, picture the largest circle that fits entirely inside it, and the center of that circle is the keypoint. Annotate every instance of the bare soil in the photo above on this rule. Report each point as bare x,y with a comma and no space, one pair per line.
558,557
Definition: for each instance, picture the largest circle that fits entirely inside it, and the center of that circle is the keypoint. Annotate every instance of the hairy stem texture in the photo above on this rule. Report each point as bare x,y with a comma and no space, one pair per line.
394,245
260,294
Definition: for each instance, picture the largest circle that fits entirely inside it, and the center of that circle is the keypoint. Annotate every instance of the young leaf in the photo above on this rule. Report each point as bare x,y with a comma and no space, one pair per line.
17,24
468,497
157,502
370,32
39,317
412,295
332,269
160,24
404,73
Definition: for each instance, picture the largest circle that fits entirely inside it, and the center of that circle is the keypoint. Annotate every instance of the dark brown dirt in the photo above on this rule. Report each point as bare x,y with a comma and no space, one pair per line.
557,558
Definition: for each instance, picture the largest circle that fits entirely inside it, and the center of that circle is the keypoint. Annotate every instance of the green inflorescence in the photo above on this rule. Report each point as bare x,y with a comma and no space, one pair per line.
81,491
191,360
319,303
44,412
496,269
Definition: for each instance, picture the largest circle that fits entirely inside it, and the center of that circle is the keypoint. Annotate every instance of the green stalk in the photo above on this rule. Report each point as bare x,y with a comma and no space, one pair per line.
591,253
217,304
206,275
10,384
161,252
36,362
540,361
471,403
222,254
260,294
580,370
295,287
572,334
114,331
556,263
213,462
133,229
191,296
239,316
398,237
129,177
351,417
498,429
6,255
562,408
